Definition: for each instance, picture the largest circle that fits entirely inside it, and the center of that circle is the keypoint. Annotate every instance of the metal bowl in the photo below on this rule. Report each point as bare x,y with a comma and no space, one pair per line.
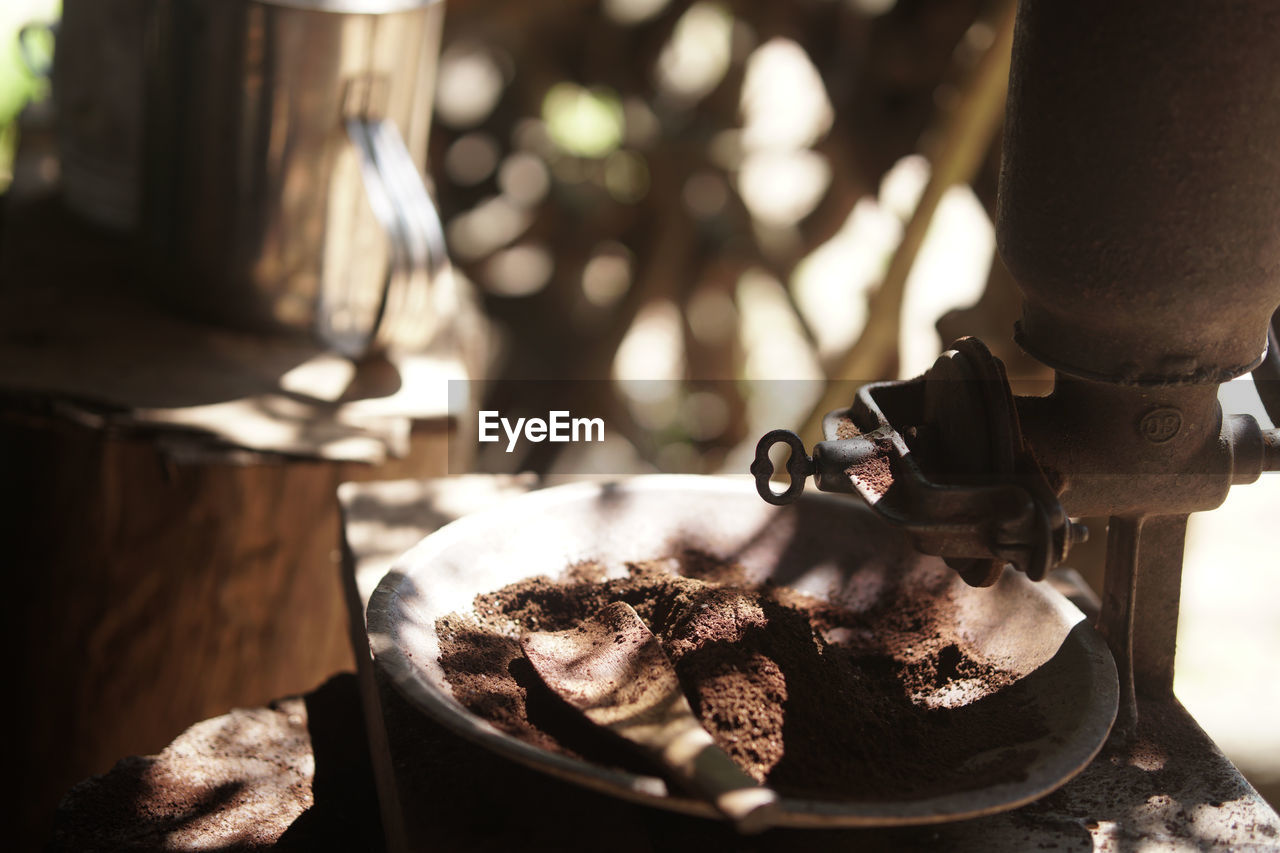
827,546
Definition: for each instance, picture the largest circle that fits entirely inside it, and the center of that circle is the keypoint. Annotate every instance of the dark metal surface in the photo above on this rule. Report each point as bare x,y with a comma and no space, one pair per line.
1116,449
1140,186
1266,377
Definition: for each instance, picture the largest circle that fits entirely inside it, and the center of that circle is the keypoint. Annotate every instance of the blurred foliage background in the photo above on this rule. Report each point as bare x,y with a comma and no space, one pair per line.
24,50
708,192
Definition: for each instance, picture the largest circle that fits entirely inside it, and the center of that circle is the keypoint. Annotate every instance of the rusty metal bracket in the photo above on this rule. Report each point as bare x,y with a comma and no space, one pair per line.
942,458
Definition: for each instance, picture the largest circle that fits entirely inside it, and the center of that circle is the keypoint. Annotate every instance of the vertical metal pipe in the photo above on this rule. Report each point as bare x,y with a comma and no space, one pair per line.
1140,605
1158,591
1115,622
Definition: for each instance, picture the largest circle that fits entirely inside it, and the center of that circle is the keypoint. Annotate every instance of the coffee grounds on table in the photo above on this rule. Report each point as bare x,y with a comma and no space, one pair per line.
818,701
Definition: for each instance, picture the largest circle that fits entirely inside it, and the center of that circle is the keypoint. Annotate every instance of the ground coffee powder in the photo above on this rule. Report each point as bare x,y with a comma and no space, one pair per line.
816,700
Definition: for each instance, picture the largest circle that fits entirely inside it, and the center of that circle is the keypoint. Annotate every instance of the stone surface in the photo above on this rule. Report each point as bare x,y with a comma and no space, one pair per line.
290,776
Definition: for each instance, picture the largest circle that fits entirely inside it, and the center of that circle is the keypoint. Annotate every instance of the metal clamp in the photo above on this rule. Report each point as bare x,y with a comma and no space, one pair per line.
942,458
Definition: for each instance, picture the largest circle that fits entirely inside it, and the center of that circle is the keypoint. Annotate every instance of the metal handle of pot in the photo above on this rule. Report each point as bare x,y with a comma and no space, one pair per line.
402,314
410,313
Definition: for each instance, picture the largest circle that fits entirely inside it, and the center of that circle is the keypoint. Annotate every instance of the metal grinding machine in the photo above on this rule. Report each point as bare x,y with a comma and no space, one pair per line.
1139,211
1140,214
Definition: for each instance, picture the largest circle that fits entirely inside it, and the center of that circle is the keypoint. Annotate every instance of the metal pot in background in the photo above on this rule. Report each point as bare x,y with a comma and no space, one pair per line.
284,147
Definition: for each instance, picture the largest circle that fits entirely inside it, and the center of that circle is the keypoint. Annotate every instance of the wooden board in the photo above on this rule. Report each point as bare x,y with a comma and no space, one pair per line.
150,594
167,499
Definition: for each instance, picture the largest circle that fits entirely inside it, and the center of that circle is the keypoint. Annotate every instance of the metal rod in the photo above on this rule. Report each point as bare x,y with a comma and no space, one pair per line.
1119,589
1159,588
1140,606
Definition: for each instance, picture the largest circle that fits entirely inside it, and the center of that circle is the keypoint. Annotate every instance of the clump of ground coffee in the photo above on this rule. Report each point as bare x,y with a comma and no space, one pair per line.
818,701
